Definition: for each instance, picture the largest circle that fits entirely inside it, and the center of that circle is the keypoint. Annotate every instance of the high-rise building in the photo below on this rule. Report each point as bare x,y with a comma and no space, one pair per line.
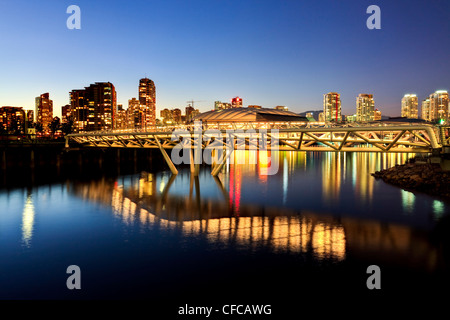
44,111
377,115
134,115
236,102
365,107
439,105
79,107
12,120
176,115
218,105
410,106
167,116
426,109
332,107
94,108
147,100
30,116
66,113
121,121
190,113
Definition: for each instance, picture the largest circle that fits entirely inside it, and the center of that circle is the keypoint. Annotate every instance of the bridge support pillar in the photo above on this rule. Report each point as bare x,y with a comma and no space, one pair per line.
191,163
223,161
166,157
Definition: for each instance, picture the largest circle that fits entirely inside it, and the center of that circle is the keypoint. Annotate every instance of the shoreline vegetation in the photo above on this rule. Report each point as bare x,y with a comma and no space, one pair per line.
428,178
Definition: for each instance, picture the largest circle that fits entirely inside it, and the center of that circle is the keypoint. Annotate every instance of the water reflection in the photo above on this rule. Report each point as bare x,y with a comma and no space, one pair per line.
28,220
438,208
408,199
147,201
331,176
293,234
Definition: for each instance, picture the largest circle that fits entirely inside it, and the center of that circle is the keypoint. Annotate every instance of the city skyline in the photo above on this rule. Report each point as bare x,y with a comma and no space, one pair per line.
400,111
299,50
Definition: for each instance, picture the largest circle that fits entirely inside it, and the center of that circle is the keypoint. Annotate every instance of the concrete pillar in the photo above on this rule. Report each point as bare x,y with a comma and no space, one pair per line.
191,162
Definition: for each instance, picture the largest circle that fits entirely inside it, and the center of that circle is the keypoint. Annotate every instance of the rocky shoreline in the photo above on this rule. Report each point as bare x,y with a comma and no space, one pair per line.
427,178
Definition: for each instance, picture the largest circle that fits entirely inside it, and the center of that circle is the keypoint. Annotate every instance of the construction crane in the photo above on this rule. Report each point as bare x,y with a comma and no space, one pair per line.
191,103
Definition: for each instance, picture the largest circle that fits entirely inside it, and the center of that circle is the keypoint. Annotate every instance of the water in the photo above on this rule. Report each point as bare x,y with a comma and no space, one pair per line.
313,228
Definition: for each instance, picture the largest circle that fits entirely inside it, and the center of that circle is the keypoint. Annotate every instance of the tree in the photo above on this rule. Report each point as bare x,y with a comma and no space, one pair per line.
39,127
54,125
67,128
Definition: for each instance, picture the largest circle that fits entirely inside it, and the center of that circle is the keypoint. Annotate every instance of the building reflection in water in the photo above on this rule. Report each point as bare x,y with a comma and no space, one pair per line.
331,176
28,220
365,163
287,232
336,168
138,201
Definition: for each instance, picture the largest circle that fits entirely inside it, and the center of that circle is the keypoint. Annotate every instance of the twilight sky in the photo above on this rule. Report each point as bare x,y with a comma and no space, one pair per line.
269,52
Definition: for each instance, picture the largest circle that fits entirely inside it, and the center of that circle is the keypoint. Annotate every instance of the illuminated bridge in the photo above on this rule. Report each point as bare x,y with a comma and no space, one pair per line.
386,138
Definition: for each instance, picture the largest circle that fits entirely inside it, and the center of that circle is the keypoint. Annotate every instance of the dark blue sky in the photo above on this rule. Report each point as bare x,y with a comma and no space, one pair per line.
280,52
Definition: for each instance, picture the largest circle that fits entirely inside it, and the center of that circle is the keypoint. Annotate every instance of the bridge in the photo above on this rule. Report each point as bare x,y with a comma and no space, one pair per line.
377,138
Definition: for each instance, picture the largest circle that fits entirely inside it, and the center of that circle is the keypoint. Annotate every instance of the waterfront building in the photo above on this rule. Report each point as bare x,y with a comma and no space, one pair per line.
439,104
332,107
365,107
351,118
410,106
133,121
147,101
176,115
44,110
121,121
167,116
426,109
321,117
236,102
12,120
377,115
66,113
30,116
94,108
190,113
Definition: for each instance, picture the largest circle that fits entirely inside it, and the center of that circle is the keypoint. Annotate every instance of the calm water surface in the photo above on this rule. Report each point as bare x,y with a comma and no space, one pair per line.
314,228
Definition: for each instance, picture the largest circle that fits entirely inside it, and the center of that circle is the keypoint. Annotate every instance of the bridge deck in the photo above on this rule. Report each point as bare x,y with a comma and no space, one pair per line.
399,138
